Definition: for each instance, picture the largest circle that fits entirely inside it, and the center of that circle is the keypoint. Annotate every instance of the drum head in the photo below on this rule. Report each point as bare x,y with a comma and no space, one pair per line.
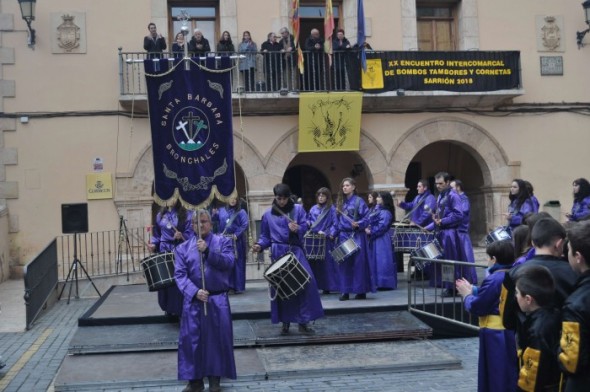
277,265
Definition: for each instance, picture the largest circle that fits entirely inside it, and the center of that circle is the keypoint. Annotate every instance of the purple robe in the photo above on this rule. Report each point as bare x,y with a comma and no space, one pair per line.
205,343
519,212
274,233
498,366
170,298
580,210
356,271
326,270
238,228
466,245
381,250
448,208
420,215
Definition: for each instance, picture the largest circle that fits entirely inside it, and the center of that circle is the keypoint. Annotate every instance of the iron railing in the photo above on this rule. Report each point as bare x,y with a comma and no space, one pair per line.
272,72
103,253
428,301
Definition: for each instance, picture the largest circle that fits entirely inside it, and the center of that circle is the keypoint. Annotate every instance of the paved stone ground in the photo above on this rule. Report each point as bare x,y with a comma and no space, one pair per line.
34,357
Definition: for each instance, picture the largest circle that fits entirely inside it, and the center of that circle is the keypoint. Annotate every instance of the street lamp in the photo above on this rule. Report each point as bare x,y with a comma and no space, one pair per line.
580,34
27,10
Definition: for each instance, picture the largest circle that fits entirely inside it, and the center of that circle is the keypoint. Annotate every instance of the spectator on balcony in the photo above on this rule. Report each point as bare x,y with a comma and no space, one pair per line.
272,60
340,65
198,44
248,65
314,77
289,63
154,43
178,45
225,44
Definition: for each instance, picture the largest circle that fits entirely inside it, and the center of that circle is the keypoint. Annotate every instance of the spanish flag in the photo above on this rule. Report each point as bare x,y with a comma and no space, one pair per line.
330,121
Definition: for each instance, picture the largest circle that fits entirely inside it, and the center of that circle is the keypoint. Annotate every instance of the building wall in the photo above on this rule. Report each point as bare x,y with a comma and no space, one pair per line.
45,160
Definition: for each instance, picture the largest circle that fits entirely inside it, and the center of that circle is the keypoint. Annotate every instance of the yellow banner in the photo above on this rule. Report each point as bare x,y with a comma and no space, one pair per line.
99,186
330,121
373,78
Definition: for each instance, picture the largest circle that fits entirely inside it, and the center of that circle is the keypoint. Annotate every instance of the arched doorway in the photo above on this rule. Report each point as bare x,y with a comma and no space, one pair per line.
325,169
304,181
453,158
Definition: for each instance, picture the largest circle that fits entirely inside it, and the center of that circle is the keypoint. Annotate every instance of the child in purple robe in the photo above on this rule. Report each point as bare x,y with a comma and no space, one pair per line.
205,342
497,368
282,229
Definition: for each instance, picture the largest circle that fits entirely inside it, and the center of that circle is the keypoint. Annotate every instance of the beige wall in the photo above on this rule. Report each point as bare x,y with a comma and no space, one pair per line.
54,155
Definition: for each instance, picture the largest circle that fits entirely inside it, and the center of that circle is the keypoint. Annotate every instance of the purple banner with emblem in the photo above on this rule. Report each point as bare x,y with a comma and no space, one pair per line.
192,134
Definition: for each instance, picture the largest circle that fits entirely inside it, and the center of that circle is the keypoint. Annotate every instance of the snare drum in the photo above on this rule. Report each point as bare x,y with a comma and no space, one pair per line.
432,250
344,250
158,270
314,246
407,238
287,276
499,234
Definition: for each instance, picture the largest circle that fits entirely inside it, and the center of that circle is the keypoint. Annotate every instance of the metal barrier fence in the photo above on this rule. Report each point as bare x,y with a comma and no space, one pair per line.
272,72
104,252
40,282
428,301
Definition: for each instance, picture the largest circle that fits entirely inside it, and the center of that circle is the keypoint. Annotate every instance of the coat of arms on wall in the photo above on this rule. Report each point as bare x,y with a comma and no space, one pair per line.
68,34
551,34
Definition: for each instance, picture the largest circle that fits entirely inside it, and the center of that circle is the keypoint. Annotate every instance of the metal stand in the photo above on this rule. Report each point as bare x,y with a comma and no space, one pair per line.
74,268
123,241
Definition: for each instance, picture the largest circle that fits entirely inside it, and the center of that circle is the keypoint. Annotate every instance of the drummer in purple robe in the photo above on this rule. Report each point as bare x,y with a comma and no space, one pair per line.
418,213
321,218
446,222
356,273
581,208
233,222
380,249
205,342
282,229
463,231
172,226
520,203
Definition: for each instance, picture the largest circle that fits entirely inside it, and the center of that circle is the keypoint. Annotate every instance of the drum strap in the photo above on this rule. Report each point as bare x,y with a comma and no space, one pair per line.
415,208
319,219
230,221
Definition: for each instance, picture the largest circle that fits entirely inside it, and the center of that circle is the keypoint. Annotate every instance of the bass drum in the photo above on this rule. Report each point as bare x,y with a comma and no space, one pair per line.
287,276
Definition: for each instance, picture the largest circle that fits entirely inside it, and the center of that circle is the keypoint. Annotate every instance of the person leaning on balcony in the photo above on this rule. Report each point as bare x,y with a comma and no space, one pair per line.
178,45
225,44
272,58
154,43
198,45
248,65
314,77
289,62
340,45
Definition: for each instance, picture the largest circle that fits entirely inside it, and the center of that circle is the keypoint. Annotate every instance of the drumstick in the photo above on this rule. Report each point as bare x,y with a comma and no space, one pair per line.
274,207
345,215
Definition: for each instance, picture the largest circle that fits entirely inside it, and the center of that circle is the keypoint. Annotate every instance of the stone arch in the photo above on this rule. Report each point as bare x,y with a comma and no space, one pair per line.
284,150
497,170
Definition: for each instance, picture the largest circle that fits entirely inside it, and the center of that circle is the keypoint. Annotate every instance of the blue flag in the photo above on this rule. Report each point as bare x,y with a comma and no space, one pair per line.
192,133
360,34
